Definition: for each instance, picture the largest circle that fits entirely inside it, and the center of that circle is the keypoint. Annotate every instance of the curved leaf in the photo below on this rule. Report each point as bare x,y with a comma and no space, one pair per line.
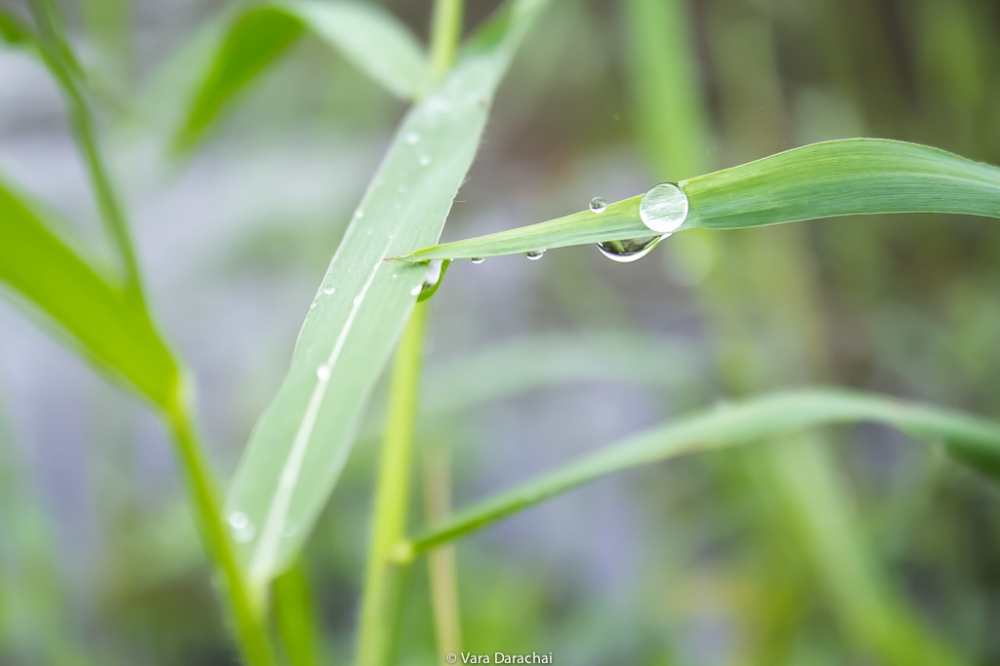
38,266
364,33
728,425
14,31
829,179
300,444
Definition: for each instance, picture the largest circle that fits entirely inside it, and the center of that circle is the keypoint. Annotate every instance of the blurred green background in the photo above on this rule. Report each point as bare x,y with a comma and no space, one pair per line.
835,551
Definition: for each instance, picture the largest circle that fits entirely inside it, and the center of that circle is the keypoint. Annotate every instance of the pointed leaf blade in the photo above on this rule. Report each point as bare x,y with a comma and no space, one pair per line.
300,444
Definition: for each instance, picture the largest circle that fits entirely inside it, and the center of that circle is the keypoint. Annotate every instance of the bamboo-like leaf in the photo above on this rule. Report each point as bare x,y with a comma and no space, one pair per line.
14,31
42,269
829,179
371,38
300,444
728,425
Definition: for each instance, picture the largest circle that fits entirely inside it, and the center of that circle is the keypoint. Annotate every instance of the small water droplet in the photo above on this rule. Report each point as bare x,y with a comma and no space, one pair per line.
238,520
416,290
664,208
431,277
329,289
359,213
534,255
412,137
477,260
312,306
598,204
633,249
323,372
424,160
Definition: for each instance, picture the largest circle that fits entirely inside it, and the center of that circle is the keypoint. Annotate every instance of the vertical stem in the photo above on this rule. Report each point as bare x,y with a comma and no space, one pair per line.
61,62
247,612
380,605
446,29
293,609
441,568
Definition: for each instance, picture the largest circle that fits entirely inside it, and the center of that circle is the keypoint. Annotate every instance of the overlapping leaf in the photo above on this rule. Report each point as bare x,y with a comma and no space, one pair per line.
833,178
43,270
300,444
366,34
730,425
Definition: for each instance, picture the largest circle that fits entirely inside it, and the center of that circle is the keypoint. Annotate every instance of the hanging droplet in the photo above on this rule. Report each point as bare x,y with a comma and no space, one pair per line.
534,255
598,204
417,289
664,208
238,520
329,289
477,260
323,372
412,138
424,160
633,249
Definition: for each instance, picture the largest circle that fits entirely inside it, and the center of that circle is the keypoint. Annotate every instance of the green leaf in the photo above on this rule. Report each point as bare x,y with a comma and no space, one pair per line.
42,269
727,425
300,444
366,34
14,31
829,179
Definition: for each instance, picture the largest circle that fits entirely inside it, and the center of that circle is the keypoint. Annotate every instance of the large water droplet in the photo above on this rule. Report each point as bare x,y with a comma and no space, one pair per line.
633,249
598,204
238,520
664,208
477,260
534,255
323,372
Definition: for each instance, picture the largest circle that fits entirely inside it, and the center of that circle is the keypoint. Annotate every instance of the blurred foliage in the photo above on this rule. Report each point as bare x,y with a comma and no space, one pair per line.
698,561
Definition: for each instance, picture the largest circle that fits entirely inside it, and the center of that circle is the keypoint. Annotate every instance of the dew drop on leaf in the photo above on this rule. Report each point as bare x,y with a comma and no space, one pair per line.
412,138
425,160
329,289
323,372
598,204
627,251
534,255
477,260
238,520
664,208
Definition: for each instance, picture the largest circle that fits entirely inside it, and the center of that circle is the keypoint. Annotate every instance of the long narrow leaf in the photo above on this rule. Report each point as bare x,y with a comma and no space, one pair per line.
371,38
42,269
829,179
724,426
300,444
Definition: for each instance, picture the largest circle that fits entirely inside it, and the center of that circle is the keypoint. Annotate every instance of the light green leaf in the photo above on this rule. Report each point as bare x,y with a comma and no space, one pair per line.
365,33
727,425
300,444
847,177
42,269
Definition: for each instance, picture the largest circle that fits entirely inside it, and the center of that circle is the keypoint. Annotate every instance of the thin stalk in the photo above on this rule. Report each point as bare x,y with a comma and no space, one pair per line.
247,611
61,62
293,610
446,30
441,569
380,604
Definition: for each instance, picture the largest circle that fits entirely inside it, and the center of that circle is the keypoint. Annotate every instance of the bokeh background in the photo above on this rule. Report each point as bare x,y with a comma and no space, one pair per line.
831,549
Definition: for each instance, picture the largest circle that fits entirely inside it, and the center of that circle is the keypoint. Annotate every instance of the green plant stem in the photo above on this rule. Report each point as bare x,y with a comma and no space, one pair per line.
441,569
386,573
247,611
293,610
446,30
61,62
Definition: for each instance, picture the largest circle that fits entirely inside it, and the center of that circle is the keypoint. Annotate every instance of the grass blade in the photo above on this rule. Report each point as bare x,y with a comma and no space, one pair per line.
14,32
370,37
730,425
829,179
300,444
41,268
